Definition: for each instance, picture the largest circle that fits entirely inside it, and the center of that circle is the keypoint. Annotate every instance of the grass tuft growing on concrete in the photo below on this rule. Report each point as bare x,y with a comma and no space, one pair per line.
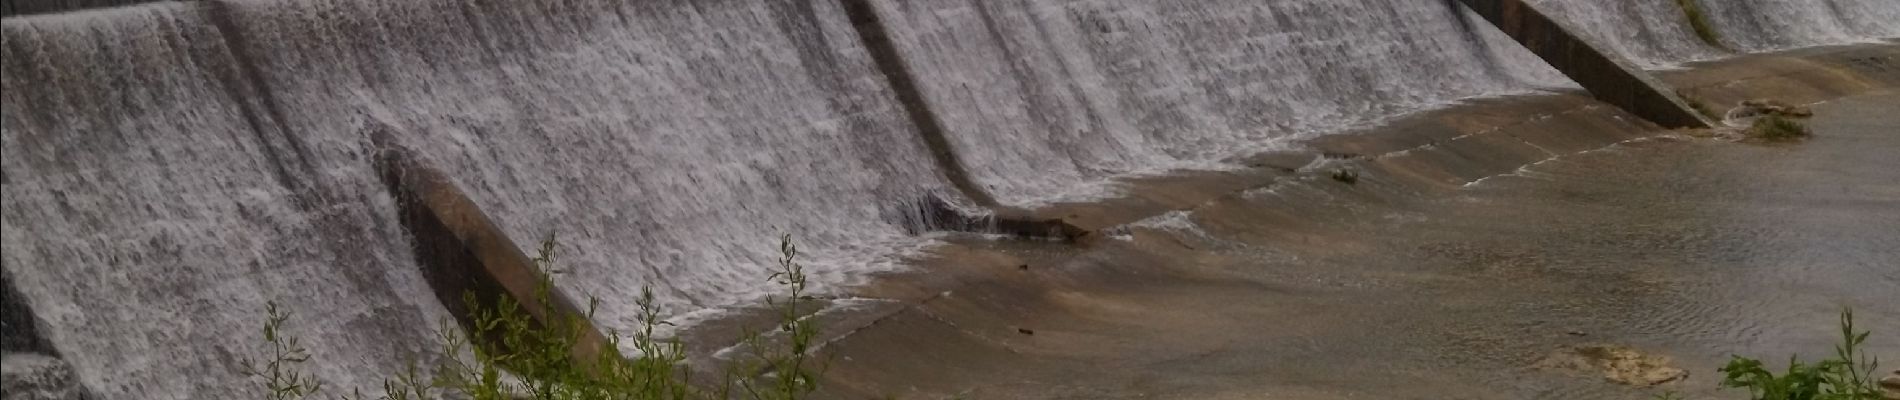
1775,128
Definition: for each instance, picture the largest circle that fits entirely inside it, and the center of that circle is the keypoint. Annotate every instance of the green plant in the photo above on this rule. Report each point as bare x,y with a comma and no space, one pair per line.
279,375
791,373
1776,128
1846,376
515,355
538,353
542,353
1699,22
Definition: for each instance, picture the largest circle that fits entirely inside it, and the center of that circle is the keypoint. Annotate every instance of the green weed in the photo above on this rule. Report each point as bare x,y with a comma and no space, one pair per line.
516,356
279,373
1846,376
1775,128
791,373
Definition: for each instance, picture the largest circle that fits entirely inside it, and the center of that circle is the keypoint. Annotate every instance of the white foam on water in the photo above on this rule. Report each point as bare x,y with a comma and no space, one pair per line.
1177,221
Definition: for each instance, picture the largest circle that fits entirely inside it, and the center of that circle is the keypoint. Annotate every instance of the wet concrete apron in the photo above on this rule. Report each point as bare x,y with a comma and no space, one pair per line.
1692,249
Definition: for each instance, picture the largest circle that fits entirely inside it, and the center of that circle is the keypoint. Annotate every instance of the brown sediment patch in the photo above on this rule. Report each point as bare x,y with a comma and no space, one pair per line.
1615,363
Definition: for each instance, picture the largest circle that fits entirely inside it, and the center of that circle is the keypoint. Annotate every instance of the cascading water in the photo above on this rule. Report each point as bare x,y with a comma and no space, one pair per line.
665,143
170,167
24,7
1763,25
1653,34
1659,34
150,212
1045,96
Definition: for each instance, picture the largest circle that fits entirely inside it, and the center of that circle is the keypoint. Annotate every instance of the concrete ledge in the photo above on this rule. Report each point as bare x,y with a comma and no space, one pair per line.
462,251
941,216
1608,77
1800,77
1435,149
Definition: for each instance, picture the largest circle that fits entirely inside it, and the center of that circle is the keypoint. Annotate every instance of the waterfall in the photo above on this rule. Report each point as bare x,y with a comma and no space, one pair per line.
151,210
666,143
1764,25
1043,98
1653,34
172,167
24,7
169,167
1658,34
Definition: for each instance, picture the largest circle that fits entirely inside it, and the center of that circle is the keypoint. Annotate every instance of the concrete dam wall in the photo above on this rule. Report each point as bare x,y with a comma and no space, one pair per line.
1658,34
1046,99
170,167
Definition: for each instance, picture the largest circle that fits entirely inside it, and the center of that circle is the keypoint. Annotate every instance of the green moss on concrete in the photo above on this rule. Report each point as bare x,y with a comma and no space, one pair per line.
1699,22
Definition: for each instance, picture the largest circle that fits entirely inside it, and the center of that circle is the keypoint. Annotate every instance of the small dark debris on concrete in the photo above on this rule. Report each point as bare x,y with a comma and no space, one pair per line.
1347,176
1025,331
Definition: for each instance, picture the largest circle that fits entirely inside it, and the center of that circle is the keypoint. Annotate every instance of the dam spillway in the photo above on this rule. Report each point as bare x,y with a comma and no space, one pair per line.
1046,100
171,166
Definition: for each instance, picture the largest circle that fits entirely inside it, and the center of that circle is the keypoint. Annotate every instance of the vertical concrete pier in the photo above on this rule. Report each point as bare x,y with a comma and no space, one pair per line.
1607,76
